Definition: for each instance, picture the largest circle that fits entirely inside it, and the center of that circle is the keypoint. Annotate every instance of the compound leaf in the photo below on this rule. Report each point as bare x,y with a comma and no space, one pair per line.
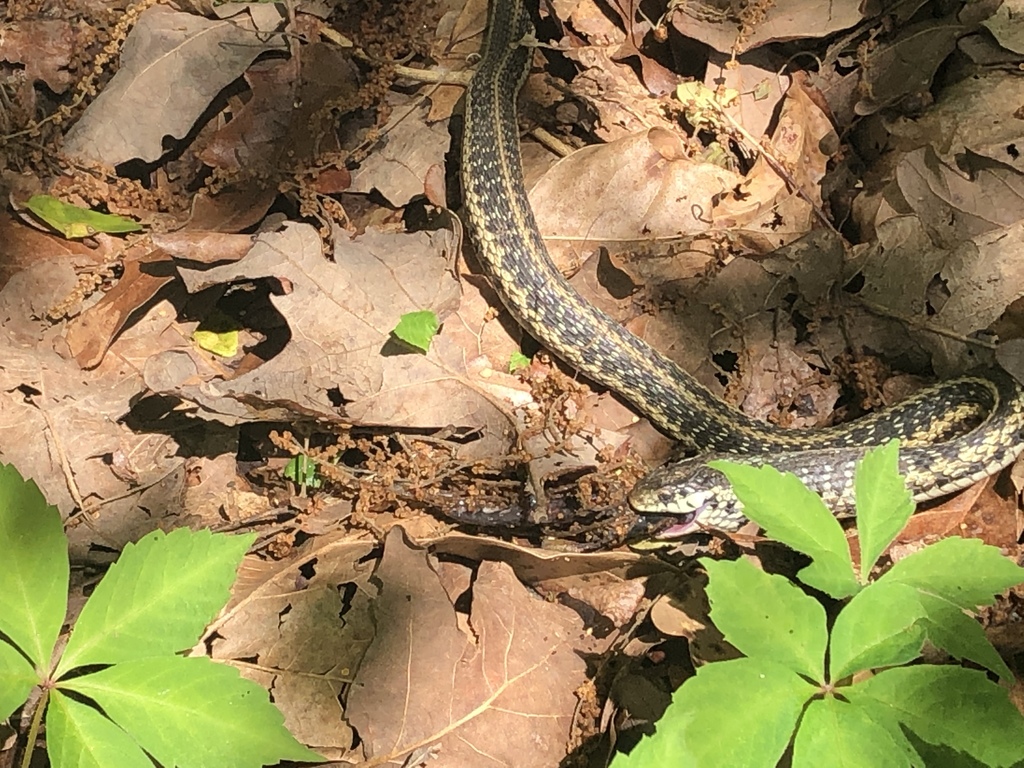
835,733
193,713
156,598
880,627
797,517
34,576
952,706
965,572
884,503
77,736
767,617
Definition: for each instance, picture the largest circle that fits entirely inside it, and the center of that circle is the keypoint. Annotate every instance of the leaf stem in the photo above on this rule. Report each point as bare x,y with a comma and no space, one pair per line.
33,731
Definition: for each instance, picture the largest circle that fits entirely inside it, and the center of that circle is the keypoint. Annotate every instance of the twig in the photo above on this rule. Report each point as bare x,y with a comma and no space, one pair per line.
921,325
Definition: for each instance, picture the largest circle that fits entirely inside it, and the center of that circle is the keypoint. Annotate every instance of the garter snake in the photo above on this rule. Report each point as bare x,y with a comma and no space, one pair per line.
512,253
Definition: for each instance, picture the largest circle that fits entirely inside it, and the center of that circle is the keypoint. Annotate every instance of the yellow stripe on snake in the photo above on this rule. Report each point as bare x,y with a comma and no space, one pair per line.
538,296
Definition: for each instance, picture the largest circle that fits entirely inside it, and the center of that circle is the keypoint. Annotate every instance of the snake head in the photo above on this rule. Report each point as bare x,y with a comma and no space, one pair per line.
686,496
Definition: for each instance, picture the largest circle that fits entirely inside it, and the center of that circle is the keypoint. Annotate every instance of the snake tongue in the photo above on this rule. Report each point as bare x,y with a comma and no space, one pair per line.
686,525
661,527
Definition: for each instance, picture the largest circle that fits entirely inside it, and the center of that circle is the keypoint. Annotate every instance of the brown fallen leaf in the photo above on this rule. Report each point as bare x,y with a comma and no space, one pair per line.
187,59
425,682
635,190
905,67
269,135
399,166
289,628
44,48
90,334
337,362
66,426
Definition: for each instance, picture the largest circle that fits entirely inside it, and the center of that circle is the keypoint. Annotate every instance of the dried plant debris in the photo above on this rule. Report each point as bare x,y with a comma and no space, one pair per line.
814,209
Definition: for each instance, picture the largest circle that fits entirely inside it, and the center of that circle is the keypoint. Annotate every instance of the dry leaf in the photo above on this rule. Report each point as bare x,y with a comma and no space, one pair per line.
424,681
172,65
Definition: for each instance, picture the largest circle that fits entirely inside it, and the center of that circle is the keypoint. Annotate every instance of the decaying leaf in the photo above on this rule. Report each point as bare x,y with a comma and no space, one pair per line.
426,681
172,65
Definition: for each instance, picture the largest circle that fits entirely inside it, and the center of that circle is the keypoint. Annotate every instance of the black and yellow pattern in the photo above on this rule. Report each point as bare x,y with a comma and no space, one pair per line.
512,252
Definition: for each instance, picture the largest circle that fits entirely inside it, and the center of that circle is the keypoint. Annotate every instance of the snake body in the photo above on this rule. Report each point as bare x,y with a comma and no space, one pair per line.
534,291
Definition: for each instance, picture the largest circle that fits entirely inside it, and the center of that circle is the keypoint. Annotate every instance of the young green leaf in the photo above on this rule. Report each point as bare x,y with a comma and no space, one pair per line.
739,713
957,707
156,598
767,617
34,576
960,635
966,572
220,343
790,513
880,627
834,733
302,470
77,736
417,329
192,712
518,361
17,678
74,222
884,503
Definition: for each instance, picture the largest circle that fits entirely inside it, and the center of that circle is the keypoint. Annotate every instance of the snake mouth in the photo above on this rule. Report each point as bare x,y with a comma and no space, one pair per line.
680,529
674,525
667,513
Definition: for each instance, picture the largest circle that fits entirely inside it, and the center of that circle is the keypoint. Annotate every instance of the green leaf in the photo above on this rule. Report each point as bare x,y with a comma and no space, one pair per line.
960,635
884,503
34,576
77,736
880,627
767,617
739,713
795,516
834,733
957,707
518,361
882,717
302,470
74,222
942,756
417,329
156,598
218,334
220,343
192,713
17,678
965,572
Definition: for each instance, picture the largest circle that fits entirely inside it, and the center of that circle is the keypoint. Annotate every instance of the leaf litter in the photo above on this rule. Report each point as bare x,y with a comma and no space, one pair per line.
286,185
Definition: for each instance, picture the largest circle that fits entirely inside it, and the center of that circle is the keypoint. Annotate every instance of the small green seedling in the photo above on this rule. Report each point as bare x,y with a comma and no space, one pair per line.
302,470
76,223
856,693
120,694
